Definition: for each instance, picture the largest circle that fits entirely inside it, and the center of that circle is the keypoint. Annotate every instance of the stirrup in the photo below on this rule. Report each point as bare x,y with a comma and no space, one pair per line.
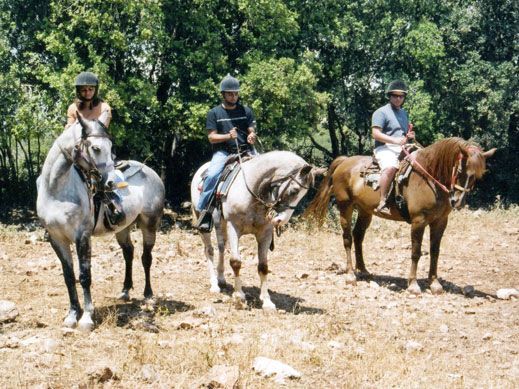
205,221
381,206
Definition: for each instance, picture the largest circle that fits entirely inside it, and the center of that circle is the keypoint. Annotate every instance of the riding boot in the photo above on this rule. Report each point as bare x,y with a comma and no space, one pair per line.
385,183
115,213
205,220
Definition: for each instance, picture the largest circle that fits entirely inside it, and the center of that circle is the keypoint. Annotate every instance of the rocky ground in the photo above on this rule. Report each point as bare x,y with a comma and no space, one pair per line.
324,334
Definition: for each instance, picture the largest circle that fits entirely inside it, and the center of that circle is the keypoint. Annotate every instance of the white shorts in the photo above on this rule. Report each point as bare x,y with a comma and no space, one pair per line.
387,156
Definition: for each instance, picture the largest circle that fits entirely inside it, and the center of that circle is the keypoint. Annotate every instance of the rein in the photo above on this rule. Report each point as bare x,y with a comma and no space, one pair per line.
456,170
270,206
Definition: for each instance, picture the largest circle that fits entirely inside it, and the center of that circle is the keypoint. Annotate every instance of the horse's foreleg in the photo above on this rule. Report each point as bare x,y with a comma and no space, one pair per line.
149,234
84,253
264,239
361,225
417,230
124,239
346,211
65,256
436,233
209,257
220,227
234,237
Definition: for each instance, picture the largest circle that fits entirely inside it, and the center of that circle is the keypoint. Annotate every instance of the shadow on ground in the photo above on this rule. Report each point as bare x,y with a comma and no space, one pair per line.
139,314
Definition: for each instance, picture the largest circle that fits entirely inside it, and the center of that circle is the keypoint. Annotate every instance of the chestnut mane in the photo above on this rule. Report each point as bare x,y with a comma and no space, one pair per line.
440,157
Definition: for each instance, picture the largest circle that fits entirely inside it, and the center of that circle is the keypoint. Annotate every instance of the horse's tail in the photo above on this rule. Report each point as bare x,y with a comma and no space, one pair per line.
318,208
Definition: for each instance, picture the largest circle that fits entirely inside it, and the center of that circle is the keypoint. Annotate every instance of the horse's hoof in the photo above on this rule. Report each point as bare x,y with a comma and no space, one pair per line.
239,296
222,283
124,296
350,279
268,306
70,322
364,275
238,303
436,288
413,288
86,324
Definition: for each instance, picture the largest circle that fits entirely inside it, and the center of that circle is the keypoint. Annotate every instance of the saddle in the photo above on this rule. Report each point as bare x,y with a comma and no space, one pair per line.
107,199
231,169
371,175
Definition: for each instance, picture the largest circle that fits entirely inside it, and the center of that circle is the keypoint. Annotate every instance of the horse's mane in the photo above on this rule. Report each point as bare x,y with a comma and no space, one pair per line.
440,157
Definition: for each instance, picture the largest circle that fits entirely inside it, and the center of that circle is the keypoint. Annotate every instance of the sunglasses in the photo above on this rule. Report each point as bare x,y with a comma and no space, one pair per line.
397,96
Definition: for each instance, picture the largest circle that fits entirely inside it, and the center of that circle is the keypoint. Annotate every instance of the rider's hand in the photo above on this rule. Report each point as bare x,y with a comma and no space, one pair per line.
233,133
251,138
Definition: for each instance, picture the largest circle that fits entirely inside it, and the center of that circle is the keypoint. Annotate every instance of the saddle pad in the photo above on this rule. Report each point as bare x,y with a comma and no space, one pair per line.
228,179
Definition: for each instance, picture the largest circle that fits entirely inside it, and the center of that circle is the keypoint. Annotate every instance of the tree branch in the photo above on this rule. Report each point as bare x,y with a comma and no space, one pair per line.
319,147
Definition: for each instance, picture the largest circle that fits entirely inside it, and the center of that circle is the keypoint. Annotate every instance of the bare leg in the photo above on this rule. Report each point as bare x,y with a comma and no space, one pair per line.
386,177
346,211
436,233
264,239
417,230
62,249
84,253
124,239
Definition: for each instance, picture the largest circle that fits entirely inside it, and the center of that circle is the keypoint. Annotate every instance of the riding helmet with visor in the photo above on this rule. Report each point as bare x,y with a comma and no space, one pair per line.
397,86
84,79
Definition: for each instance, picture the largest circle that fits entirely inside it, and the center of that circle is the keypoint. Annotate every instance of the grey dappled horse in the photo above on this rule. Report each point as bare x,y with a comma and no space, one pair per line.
78,158
263,196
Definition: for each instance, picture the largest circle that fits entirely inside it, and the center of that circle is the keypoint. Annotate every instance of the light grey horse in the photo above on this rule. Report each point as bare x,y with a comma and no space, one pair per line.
72,171
262,197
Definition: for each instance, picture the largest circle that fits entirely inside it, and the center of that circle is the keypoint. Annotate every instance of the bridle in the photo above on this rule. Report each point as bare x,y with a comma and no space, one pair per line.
276,205
83,161
457,169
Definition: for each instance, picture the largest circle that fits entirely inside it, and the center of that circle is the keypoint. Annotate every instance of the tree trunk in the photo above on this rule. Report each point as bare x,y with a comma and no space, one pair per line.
332,120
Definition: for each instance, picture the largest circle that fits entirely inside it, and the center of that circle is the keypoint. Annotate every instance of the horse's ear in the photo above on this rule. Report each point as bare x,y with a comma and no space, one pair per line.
84,125
489,153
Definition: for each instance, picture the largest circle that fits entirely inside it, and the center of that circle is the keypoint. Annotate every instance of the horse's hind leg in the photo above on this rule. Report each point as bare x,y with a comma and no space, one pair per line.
361,225
149,234
346,211
65,256
436,233
124,239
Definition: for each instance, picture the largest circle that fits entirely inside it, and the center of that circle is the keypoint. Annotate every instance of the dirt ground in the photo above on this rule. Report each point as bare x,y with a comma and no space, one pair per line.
371,335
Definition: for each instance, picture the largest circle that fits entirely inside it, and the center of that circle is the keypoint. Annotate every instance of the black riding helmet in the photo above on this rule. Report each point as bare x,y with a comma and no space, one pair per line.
397,86
229,84
86,78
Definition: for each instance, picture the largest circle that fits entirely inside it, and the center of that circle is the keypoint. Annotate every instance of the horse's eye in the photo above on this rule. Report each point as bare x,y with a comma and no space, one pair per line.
96,149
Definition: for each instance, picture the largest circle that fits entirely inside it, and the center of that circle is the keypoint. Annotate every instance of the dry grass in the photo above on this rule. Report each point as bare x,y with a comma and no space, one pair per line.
369,335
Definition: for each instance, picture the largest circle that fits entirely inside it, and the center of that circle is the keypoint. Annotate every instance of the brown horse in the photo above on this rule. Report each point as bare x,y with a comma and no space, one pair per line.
442,174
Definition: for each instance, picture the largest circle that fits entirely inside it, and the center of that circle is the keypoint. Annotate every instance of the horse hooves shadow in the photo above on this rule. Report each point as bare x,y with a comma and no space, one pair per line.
137,314
285,302
399,284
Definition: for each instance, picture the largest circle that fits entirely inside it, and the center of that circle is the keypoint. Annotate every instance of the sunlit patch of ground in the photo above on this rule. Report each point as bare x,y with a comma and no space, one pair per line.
373,334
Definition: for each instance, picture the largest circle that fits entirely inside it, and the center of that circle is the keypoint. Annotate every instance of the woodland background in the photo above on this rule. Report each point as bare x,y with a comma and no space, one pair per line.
313,71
